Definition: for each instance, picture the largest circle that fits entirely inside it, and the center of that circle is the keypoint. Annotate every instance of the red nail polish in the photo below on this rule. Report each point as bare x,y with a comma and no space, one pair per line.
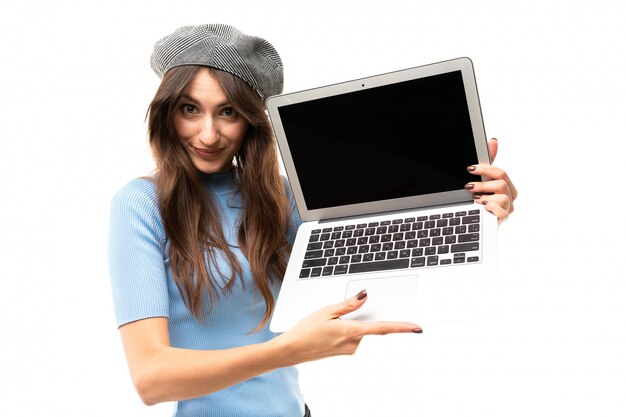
471,168
416,330
361,295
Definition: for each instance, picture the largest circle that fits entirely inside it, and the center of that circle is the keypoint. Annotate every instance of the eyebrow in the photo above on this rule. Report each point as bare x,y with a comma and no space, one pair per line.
188,97
196,102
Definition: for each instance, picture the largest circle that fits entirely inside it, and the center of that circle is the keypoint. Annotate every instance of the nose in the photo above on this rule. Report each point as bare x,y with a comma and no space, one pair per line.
209,131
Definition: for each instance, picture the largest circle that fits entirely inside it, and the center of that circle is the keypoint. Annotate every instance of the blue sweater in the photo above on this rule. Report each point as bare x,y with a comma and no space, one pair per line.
143,287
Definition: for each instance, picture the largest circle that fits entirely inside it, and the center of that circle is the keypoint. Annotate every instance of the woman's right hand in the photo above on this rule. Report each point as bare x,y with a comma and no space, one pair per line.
323,334
165,373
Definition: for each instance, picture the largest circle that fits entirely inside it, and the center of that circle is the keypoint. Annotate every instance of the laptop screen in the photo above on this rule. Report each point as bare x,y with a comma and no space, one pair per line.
399,140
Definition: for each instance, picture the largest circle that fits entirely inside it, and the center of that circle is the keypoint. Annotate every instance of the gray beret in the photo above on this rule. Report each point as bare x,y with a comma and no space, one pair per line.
223,47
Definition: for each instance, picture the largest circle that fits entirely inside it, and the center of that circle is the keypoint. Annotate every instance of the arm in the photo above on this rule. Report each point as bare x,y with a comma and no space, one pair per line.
498,193
163,373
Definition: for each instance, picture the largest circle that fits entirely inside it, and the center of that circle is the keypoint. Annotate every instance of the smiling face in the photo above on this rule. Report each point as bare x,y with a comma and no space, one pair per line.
208,126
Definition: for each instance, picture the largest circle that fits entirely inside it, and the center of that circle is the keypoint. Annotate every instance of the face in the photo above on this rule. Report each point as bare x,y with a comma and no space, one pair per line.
208,126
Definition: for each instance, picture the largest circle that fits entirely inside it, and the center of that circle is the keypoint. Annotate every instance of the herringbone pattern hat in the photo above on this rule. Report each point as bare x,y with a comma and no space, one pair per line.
223,47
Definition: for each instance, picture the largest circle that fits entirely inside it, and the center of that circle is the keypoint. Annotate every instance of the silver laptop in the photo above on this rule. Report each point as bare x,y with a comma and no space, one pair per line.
378,168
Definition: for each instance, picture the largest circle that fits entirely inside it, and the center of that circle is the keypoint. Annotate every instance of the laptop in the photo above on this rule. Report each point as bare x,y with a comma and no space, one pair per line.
377,168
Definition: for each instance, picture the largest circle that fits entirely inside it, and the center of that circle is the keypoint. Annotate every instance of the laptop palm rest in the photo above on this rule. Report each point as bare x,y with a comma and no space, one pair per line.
388,299
439,299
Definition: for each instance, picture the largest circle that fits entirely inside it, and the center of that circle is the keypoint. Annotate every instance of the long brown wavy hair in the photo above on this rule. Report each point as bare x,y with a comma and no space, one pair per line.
191,219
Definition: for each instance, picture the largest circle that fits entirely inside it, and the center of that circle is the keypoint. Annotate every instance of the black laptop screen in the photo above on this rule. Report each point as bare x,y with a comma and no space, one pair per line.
399,140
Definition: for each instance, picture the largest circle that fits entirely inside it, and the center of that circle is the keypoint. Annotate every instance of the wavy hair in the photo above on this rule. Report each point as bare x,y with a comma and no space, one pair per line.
189,212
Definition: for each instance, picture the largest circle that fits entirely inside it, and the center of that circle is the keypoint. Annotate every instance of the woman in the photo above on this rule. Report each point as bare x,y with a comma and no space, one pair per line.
197,250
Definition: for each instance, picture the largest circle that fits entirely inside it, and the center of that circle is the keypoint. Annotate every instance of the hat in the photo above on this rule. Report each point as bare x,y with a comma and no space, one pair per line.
223,47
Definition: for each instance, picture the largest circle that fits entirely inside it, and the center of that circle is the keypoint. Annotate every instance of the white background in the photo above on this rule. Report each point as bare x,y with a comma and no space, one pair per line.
75,83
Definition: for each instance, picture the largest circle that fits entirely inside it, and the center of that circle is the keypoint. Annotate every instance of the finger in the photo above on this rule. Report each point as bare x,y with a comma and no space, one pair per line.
493,148
488,171
493,173
502,200
347,306
494,207
387,327
490,187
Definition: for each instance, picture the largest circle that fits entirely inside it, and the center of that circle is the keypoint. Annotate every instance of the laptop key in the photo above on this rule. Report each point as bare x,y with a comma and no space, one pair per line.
305,273
314,246
309,263
465,247
470,237
341,269
379,266
471,219
418,262
314,254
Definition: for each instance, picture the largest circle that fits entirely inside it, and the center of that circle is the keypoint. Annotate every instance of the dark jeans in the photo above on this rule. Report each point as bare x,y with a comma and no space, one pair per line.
307,412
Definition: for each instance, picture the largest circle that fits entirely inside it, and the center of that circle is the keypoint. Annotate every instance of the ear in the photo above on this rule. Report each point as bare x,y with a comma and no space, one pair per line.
493,148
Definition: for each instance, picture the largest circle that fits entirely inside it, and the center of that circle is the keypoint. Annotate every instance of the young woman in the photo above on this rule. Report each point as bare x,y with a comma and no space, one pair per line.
197,250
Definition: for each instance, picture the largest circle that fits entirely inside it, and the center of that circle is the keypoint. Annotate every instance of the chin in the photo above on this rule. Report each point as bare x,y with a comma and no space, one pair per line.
213,168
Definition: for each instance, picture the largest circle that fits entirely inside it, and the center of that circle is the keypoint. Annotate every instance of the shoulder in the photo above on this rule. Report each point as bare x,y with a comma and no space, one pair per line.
136,203
288,191
138,193
135,212
286,185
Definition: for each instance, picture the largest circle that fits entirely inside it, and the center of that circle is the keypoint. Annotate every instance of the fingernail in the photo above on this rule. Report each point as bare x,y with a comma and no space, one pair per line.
471,168
485,203
417,330
361,295
476,196
469,186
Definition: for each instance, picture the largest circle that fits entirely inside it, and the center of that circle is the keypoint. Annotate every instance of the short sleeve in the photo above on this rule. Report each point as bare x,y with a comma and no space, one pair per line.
137,254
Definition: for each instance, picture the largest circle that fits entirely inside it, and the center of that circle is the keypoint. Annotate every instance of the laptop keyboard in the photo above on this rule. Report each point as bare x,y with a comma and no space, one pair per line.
449,238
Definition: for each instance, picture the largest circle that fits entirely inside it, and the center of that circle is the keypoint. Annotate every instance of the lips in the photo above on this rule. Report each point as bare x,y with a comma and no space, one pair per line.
206,153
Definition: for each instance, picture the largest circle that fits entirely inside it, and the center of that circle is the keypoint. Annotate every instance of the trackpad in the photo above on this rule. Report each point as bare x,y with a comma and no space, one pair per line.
388,299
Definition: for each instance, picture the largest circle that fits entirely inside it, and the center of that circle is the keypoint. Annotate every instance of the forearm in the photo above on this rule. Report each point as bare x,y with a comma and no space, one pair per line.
172,374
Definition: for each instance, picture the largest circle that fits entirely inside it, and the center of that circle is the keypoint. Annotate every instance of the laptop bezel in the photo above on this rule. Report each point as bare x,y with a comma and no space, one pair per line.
464,64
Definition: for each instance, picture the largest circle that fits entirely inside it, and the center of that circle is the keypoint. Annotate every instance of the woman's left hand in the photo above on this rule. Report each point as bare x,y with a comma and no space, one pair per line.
497,193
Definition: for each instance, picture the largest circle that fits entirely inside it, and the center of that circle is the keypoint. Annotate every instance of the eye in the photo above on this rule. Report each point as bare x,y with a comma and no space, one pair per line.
229,112
189,109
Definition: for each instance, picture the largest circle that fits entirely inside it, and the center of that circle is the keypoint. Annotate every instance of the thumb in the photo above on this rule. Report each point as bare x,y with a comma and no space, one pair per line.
493,148
347,306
